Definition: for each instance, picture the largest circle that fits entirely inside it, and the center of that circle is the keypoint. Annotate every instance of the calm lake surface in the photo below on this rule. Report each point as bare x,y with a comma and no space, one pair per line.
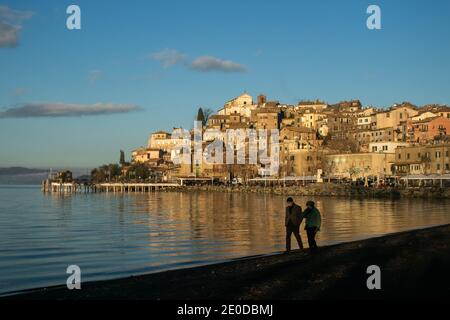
112,236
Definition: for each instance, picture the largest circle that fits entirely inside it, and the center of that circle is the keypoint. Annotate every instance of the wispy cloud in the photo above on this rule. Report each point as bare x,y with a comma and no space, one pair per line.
9,35
10,25
52,110
169,57
172,57
208,64
12,16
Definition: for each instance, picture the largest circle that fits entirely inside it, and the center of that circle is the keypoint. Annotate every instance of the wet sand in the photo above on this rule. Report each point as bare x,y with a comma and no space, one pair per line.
414,264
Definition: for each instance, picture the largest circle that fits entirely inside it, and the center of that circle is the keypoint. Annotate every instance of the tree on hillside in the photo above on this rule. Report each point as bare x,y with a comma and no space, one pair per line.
114,171
139,171
201,116
207,113
106,172
341,144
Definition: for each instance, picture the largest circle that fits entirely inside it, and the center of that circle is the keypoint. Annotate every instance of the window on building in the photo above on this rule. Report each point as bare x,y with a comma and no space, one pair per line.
407,156
399,156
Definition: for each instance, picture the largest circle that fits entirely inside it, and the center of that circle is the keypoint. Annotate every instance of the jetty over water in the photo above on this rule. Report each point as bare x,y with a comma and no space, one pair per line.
135,187
76,187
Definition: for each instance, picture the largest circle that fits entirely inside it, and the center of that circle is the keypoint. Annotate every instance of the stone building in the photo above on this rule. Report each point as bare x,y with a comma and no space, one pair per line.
428,129
146,155
360,165
268,118
430,159
242,105
395,116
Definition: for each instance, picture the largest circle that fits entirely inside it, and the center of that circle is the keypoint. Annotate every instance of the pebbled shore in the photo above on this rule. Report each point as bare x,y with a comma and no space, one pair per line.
414,264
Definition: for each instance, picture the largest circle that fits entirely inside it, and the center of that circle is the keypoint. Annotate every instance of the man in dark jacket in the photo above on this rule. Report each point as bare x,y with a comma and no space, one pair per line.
293,220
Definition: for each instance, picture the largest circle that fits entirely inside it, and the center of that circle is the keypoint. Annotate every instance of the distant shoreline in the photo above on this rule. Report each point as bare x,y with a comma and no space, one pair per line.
414,264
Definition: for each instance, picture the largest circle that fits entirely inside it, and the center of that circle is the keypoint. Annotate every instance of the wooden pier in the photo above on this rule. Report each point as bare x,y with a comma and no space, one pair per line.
74,187
135,187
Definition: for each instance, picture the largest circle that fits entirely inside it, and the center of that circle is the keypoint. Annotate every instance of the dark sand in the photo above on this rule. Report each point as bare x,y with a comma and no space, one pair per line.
413,264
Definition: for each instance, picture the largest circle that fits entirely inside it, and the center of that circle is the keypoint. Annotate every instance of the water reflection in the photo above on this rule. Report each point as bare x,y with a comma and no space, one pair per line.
111,236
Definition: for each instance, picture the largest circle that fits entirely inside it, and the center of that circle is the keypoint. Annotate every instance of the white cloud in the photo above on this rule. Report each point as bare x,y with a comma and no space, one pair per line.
38,110
10,25
208,64
9,35
12,16
171,57
168,57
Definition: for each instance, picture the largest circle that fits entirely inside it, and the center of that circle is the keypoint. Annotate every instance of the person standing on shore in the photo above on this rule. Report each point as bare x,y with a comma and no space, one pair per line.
293,219
312,224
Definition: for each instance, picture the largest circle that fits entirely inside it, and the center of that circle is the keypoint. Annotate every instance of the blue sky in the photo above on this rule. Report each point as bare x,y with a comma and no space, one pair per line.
147,59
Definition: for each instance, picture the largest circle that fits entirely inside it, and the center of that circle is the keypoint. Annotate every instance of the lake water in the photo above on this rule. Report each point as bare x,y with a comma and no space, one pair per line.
111,236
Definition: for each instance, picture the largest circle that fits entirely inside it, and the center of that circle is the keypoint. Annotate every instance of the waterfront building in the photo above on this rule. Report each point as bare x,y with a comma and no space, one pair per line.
423,159
302,162
360,165
386,146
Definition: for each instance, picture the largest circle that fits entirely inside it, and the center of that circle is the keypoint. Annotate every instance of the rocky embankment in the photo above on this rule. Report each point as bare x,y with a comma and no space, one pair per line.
326,189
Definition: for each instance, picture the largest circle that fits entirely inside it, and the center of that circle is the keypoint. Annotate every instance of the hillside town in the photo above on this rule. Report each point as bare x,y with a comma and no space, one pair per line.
317,141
